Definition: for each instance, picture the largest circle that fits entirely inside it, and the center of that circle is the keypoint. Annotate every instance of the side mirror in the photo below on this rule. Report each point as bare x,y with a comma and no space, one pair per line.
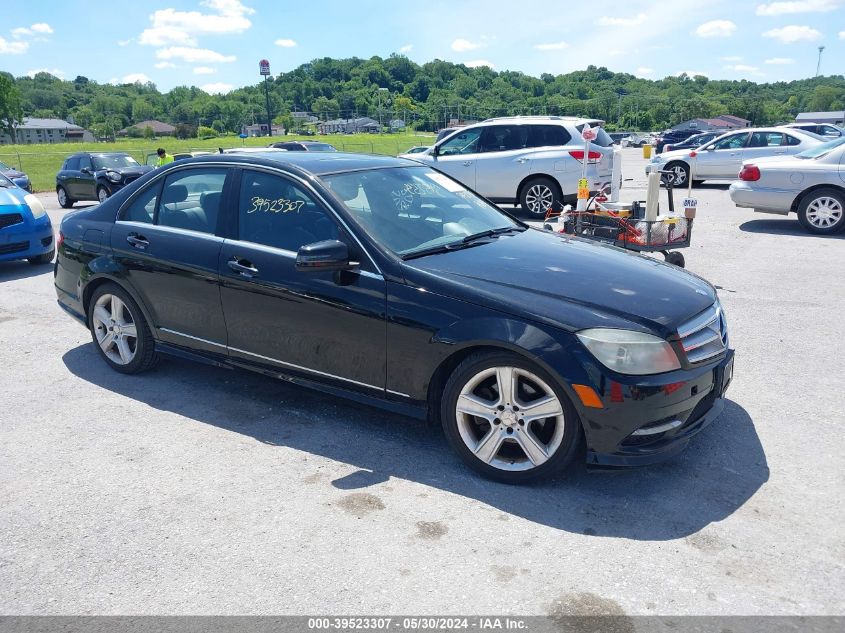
435,151
325,255
85,170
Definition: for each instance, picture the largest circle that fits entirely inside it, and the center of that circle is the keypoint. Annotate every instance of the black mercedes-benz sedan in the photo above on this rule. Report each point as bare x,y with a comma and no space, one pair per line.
388,282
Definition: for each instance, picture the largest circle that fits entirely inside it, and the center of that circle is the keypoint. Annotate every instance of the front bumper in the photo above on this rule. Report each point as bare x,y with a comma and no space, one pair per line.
29,238
763,199
643,424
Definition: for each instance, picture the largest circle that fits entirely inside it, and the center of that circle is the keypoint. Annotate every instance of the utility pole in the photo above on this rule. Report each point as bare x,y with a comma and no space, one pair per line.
819,64
264,69
380,90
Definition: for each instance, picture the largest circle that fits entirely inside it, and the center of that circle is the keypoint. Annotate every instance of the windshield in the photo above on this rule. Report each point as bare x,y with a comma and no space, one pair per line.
320,147
413,209
820,150
114,161
5,183
5,167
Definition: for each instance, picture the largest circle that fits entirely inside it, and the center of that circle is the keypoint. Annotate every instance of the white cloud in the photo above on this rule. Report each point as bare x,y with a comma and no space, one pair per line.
731,58
217,88
407,48
125,42
742,68
638,19
644,71
132,78
716,28
20,32
163,65
461,45
194,55
551,46
791,34
12,48
204,70
53,71
42,27
842,35
285,43
779,61
170,26
477,63
690,73
800,6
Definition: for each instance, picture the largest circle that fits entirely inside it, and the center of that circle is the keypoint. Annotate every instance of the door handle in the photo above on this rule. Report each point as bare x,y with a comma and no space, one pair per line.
138,241
467,163
242,267
522,160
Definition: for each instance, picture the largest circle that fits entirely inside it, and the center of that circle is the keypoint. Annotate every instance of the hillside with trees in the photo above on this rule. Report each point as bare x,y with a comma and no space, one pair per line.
426,96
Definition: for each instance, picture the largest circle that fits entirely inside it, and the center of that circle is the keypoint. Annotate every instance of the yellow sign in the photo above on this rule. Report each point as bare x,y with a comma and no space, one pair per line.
582,183
583,193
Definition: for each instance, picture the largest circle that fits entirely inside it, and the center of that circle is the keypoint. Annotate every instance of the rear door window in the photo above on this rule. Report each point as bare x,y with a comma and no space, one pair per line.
547,136
766,139
791,140
190,199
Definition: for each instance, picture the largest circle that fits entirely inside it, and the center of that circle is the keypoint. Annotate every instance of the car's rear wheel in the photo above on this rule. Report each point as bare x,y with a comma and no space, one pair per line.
538,195
64,200
120,331
822,212
508,419
102,194
678,174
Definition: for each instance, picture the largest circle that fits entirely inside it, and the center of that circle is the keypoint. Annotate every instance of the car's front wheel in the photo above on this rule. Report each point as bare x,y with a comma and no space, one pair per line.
102,194
120,331
508,419
64,200
678,174
539,195
822,212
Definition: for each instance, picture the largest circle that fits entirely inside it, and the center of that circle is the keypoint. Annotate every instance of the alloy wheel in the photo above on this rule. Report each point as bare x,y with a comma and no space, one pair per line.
115,329
62,196
510,419
539,199
824,212
102,194
679,175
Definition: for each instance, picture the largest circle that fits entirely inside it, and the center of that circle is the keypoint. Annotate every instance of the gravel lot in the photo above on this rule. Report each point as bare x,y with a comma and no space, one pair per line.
196,490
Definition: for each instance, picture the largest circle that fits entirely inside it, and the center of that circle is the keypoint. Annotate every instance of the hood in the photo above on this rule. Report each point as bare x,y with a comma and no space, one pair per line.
567,282
135,170
674,153
13,173
11,197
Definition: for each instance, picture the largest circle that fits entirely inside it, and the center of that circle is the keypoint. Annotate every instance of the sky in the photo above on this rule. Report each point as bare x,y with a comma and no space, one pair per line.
217,44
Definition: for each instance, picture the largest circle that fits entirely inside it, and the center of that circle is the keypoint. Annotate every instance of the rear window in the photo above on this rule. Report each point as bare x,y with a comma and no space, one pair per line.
603,139
547,135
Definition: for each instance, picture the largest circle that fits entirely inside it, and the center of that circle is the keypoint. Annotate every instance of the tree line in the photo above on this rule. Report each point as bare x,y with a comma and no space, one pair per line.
426,96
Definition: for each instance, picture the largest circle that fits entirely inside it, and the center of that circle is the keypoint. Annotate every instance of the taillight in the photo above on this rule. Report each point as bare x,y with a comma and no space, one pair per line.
667,148
750,173
592,157
60,240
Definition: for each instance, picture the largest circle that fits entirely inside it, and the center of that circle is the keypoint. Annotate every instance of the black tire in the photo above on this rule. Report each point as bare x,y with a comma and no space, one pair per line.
145,356
102,193
46,258
538,195
554,464
65,201
835,199
680,178
675,258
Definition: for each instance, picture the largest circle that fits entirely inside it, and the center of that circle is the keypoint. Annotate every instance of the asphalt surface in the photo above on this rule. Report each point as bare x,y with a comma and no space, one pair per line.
195,490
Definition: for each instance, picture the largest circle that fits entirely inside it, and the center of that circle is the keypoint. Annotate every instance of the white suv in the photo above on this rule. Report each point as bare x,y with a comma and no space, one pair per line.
535,161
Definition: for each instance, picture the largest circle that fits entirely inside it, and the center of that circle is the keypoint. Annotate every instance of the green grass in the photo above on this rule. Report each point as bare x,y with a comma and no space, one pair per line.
41,162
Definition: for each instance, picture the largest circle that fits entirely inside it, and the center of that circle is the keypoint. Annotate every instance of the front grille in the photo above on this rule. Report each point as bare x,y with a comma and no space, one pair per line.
129,179
14,247
705,336
8,219
46,241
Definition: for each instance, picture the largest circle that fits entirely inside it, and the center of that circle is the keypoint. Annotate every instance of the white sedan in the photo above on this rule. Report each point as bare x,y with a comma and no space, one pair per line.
811,184
721,158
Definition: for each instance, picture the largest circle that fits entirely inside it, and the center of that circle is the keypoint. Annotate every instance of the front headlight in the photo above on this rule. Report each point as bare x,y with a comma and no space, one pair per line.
113,176
628,352
35,206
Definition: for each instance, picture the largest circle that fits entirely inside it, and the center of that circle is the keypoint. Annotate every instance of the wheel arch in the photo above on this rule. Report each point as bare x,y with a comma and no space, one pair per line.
800,197
99,279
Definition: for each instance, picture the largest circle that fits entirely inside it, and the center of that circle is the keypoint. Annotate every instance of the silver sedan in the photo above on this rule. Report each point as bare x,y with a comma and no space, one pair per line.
721,158
811,184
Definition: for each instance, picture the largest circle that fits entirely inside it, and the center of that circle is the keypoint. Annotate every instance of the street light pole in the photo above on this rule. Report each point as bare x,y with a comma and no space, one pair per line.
380,90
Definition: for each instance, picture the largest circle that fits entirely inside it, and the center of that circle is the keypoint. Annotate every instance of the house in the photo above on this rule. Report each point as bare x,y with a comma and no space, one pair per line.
260,129
836,117
721,122
158,128
349,126
32,131
396,125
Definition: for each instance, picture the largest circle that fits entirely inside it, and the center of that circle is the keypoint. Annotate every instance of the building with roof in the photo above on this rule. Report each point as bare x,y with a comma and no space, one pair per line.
721,122
33,130
836,117
349,126
260,129
158,127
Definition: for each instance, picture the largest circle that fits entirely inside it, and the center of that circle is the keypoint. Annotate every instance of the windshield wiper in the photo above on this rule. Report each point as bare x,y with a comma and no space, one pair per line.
475,239
491,233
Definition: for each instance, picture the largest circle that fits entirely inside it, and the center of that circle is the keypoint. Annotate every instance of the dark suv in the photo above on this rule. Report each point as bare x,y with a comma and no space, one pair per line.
304,146
95,176
673,137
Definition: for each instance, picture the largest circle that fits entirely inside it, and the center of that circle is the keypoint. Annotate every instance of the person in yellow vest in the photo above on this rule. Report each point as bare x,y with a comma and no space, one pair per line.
163,157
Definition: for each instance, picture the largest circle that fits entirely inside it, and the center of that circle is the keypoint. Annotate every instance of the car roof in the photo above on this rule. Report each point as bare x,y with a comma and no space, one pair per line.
539,120
316,163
